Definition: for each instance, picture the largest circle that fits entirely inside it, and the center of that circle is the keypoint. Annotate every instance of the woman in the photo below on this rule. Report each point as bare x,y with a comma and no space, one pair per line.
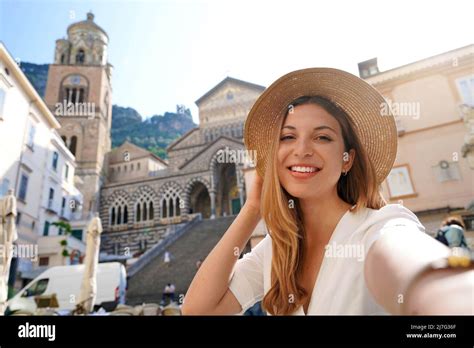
333,246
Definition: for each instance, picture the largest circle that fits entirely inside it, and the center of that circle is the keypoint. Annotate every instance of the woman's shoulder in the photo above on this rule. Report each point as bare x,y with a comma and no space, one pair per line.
263,246
392,214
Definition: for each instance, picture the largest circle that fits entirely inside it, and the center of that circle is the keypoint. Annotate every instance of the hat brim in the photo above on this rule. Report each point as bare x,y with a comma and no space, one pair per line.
374,125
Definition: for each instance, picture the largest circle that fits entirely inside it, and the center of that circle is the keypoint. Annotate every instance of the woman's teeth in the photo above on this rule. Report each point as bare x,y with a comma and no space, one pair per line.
304,169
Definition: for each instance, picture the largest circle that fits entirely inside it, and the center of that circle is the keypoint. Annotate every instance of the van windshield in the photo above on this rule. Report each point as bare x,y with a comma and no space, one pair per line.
37,288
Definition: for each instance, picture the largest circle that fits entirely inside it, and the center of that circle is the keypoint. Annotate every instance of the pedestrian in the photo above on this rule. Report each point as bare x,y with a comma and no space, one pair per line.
451,232
168,293
167,258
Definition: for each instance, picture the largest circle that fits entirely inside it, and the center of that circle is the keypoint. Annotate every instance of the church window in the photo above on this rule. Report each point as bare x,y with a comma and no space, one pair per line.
171,209
151,213
119,216
164,210
125,215
144,207
178,210
73,145
74,89
138,213
112,216
80,57
170,204
80,96
119,212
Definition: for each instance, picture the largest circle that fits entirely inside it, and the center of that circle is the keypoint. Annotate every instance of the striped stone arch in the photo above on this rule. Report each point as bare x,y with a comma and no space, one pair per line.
145,204
213,160
169,193
189,187
120,197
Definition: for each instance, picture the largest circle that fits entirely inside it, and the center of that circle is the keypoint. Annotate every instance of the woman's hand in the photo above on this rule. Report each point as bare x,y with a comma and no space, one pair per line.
255,192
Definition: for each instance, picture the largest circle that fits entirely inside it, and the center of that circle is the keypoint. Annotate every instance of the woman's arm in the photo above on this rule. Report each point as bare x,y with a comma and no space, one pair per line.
395,259
208,292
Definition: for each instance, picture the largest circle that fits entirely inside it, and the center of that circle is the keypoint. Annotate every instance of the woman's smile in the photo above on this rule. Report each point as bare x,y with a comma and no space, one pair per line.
303,172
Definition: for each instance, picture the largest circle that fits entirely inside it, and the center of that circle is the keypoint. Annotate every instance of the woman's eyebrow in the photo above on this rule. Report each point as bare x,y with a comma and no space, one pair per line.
315,128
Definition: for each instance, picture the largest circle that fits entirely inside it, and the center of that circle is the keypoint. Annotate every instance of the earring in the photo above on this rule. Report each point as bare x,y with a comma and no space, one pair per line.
344,173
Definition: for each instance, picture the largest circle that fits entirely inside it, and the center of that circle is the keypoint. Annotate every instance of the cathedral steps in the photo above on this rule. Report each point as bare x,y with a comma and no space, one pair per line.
147,284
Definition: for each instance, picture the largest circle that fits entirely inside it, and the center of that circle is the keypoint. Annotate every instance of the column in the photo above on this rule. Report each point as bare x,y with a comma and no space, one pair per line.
212,194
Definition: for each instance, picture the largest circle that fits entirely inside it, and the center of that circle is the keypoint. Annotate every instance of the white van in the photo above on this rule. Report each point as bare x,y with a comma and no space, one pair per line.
65,282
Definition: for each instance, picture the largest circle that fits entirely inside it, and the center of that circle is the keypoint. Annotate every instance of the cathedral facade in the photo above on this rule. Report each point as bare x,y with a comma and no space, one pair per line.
204,174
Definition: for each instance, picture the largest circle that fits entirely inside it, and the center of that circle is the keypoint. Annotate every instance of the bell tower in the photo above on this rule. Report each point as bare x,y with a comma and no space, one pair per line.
79,93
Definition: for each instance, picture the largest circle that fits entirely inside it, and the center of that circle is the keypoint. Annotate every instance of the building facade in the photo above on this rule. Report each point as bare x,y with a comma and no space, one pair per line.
432,100
33,164
199,177
61,201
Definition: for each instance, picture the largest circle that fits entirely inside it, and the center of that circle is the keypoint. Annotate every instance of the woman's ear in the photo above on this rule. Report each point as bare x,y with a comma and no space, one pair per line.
348,160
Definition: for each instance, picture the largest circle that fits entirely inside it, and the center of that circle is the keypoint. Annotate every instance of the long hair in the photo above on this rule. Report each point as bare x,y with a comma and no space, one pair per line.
284,218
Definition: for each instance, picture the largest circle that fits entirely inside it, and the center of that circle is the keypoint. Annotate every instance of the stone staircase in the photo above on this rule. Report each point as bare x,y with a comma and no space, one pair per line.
146,284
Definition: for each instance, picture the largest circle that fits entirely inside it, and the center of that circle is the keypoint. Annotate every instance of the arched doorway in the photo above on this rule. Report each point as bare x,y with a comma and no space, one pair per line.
226,189
199,200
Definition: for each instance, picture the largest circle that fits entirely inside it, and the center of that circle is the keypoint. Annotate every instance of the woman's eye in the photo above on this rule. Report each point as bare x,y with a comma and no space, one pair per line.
322,137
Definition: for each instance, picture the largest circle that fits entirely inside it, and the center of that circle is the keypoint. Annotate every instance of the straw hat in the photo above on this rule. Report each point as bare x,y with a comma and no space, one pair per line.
376,131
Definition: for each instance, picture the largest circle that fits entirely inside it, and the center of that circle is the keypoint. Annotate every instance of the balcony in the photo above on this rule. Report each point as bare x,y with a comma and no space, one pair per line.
52,244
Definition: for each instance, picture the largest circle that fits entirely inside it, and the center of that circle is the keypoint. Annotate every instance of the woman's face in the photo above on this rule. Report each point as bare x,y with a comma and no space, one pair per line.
311,155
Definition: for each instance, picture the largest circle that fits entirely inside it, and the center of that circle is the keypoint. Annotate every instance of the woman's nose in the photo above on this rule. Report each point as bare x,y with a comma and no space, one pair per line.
303,147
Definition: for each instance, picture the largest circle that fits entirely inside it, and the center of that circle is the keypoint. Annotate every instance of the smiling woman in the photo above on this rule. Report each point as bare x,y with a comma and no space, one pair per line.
319,164
323,149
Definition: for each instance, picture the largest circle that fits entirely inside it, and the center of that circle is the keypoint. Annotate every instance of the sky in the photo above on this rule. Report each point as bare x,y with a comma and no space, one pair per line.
169,52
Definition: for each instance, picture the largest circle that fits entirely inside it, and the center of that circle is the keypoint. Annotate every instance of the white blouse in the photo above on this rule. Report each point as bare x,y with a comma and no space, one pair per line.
340,286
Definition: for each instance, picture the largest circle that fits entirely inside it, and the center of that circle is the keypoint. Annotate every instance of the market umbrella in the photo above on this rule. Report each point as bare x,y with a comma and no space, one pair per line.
89,282
8,235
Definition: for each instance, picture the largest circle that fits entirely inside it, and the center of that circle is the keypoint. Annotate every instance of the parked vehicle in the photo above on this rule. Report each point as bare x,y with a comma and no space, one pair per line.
65,282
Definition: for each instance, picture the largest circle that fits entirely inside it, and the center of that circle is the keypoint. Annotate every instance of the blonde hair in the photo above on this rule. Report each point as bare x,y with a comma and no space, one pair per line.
285,223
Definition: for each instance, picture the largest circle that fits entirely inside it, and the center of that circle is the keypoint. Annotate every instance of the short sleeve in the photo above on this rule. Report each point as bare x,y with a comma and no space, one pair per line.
392,218
246,282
